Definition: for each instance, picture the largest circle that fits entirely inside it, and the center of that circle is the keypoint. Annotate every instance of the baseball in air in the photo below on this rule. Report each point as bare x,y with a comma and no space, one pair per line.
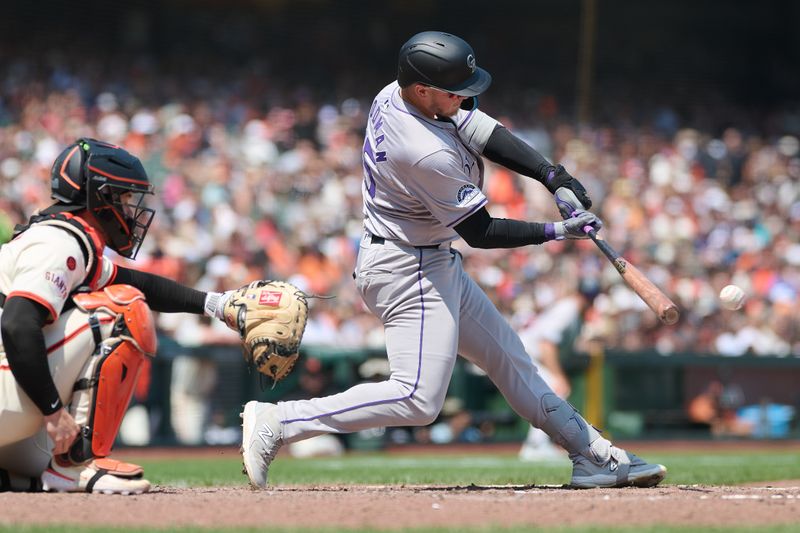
732,297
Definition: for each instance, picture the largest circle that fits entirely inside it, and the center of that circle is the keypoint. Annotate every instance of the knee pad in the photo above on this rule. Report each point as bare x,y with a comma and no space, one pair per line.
107,383
565,426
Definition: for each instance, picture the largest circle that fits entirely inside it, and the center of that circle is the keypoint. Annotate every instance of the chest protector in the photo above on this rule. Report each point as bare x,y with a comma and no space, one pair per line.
91,243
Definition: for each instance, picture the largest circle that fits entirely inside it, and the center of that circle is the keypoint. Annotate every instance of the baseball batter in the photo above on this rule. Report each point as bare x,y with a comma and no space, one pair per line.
76,327
423,180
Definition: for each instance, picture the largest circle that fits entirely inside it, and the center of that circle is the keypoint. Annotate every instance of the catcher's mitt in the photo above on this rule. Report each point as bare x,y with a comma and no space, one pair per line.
270,316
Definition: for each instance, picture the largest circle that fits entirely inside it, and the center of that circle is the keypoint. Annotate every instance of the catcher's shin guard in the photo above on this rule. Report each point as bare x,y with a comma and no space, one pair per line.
106,386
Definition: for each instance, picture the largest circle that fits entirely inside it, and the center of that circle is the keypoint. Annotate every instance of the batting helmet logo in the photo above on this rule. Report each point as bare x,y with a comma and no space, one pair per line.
471,63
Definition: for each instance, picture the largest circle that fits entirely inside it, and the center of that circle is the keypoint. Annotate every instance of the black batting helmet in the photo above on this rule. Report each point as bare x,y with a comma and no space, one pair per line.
443,61
95,175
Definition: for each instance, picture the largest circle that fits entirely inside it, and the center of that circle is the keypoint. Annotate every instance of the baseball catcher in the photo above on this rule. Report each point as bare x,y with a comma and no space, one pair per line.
76,328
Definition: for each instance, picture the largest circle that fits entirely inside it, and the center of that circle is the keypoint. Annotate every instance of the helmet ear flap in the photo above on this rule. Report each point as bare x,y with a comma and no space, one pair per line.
67,176
470,103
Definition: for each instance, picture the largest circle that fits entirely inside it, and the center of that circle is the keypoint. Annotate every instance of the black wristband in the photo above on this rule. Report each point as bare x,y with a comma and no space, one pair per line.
52,407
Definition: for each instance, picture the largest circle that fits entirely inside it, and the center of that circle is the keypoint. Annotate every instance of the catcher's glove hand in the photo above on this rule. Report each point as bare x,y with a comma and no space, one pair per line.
270,316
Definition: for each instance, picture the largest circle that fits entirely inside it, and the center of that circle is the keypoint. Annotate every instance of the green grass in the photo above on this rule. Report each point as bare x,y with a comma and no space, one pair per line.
724,468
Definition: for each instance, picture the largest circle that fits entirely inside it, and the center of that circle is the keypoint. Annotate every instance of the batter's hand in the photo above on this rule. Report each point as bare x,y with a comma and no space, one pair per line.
573,228
569,194
62,429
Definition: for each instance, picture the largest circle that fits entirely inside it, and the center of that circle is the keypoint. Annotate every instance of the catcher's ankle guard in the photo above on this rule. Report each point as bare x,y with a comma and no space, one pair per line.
119,468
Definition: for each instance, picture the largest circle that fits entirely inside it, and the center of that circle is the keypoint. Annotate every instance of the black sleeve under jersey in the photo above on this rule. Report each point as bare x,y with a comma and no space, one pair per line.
23,339
163,294
480,230
504,148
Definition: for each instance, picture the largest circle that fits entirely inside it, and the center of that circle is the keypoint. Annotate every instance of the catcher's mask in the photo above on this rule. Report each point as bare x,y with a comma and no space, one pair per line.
111,184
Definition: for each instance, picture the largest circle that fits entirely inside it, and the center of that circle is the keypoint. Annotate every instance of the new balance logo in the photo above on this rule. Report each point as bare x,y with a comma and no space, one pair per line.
266,433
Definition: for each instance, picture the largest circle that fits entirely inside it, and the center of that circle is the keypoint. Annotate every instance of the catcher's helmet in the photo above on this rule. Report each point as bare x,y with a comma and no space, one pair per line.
443,61
94,175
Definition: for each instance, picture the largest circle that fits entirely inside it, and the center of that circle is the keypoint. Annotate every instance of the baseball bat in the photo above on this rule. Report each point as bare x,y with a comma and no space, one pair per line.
665,308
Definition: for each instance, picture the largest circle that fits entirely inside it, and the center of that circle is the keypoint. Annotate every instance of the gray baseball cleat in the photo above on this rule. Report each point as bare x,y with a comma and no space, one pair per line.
261,439
623,469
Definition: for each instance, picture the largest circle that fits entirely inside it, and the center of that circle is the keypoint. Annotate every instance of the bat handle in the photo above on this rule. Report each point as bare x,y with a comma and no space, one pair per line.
607,250
592,233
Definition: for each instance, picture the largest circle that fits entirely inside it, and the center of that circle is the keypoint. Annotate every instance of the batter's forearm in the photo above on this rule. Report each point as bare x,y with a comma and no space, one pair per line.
504,148
482,231
163,294
23,339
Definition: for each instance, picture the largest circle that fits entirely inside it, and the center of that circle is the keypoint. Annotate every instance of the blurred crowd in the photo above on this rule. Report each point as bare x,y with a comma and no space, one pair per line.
258,181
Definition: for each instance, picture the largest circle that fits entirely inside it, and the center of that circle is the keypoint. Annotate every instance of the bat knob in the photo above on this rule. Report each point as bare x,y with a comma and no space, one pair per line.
671,316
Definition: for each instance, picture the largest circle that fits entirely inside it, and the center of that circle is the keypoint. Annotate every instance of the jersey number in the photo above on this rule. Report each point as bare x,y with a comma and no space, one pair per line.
375,157
370,180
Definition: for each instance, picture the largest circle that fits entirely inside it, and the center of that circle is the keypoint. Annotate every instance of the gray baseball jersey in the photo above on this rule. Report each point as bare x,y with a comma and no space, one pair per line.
421,178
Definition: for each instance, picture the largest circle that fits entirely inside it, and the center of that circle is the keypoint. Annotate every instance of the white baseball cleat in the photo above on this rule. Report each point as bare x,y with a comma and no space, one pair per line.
262,437
623,469
90,478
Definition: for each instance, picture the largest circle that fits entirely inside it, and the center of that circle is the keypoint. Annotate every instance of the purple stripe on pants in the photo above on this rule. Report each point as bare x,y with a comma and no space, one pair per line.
419,365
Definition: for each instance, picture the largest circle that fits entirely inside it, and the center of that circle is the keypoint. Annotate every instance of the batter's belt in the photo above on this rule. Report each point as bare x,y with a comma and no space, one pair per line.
374,239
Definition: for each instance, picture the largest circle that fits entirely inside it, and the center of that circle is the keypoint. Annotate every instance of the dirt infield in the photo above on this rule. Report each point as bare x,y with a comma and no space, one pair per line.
394,507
